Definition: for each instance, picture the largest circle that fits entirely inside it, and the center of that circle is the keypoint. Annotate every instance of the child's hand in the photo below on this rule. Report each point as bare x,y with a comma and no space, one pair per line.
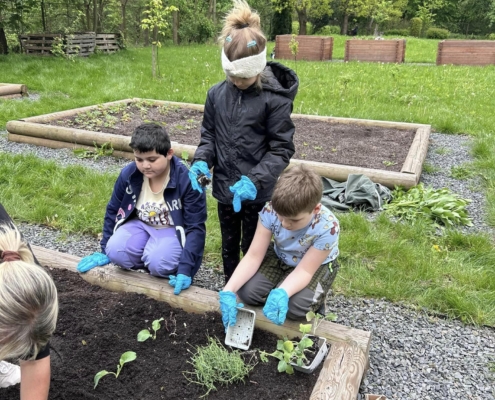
228,307
94,260
276,306
197,169
243,189
179,282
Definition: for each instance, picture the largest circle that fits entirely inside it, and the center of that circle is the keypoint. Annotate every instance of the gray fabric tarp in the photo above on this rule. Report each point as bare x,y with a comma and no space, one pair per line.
358,191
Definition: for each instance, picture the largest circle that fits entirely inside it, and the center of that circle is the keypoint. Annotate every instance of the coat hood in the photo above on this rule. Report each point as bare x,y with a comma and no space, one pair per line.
280,79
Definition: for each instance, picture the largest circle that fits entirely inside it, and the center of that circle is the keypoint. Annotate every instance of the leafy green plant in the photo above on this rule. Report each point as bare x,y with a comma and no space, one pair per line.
315,319
145,334
462,172
388,163
214,364
294,48
106,149
126,357
438,205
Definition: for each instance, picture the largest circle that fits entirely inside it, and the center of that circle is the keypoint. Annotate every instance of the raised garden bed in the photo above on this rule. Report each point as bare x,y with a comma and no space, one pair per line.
95,327
12,91
390,51
466,52
310,48
387,152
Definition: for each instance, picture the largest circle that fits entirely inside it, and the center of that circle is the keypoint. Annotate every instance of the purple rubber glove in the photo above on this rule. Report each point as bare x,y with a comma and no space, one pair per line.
179,282
94,260
228,307
276,306
197,169
243,189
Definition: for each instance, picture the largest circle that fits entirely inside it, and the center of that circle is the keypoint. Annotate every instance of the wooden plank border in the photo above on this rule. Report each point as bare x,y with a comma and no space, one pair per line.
7,90
56,136
344,366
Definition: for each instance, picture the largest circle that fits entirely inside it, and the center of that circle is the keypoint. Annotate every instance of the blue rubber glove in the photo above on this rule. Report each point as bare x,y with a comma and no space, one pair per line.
228,307
243,189
197,169
179,282
276,306
94,260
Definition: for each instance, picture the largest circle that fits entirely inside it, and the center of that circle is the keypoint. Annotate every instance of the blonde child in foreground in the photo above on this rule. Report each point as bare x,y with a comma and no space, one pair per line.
292,274
28,315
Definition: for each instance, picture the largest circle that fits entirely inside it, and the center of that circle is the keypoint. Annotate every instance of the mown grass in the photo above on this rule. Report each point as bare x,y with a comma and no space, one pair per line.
380,258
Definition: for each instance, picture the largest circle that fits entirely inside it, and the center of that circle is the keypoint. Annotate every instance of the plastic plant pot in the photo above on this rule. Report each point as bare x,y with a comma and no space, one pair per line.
241,334
322,352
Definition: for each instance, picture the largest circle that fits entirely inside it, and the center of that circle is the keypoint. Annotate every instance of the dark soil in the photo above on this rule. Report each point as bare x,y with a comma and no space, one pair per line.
356,145
96,326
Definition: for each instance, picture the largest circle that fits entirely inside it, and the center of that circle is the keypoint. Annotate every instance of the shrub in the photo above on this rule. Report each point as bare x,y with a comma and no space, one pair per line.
396,32
416,27
200,30
295,28
437,33
491,36
328,30
13,43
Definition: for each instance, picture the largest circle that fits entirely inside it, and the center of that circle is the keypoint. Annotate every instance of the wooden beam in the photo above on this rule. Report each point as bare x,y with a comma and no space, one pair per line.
417,152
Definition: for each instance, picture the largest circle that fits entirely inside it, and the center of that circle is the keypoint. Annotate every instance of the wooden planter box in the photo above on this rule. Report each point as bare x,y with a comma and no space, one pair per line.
466,52
81,44
311,48
35,130
392,51
12,91
343,368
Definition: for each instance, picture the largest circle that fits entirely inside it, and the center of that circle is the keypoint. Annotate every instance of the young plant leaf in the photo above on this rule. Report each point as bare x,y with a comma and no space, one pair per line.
100,375
282,366
310,315
156,324
128,356
288,346
143,335
305,328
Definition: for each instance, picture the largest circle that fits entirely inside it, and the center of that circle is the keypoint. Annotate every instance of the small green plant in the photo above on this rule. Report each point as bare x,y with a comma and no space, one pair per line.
436,205
462,172
214,364
106,149
128,356
388,163
442,151
145,334
430,169
294,48
315,319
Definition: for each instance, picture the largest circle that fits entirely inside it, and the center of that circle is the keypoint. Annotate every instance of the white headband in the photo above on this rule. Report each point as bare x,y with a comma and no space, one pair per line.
246,67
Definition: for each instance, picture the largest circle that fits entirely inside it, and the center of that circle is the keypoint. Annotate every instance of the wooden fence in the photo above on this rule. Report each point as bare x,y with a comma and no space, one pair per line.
311,48
77,44
375,50
466,52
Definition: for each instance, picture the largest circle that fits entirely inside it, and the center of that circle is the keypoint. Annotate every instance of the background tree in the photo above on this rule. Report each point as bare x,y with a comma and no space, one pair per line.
282,18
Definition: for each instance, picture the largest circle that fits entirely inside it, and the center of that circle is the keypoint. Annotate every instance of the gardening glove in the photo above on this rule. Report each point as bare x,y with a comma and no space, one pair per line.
197,169
228,307
243,189
276,306
94,260
180,282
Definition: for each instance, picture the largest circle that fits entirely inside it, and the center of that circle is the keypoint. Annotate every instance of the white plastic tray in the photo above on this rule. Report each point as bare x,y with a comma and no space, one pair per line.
241,334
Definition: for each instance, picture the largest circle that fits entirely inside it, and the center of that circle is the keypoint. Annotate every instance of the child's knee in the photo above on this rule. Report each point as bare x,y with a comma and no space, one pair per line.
162,265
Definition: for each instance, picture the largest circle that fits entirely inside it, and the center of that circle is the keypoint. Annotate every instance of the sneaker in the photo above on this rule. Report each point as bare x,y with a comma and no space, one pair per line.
10,374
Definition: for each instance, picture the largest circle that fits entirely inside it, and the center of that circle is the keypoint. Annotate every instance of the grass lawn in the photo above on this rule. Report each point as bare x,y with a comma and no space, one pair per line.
380,259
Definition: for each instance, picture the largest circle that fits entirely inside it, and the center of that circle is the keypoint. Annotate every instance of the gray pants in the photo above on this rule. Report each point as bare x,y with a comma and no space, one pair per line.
273,272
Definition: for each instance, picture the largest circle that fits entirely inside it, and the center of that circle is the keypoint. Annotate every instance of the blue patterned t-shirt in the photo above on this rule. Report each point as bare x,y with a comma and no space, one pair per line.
290,246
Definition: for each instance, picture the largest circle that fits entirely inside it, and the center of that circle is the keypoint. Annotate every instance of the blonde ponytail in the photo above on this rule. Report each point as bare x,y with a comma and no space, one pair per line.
28,301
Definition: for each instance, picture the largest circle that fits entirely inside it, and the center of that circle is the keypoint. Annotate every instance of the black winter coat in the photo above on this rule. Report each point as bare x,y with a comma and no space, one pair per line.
249,132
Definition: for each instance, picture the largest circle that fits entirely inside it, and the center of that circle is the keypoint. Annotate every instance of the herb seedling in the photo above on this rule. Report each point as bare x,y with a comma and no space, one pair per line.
388,163
106,149
128,356
145,334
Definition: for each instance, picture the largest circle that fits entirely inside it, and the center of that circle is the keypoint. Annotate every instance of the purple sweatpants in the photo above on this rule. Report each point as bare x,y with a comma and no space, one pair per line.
136,245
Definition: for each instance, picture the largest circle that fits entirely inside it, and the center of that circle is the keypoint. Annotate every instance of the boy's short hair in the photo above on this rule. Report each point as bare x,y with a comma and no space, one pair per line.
298,190
149,137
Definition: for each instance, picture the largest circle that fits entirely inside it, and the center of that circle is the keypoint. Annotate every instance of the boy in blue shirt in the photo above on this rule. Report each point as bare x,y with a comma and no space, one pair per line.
154,219
292,274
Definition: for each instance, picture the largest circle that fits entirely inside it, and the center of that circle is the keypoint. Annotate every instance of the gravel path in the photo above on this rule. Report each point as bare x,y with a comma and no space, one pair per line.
413,355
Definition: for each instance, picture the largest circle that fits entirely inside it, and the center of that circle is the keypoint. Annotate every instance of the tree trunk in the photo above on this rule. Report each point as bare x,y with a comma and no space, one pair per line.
123,27
175,27
95,14
43,16
370,25
212,10
4,48
303,19
345,24
154,58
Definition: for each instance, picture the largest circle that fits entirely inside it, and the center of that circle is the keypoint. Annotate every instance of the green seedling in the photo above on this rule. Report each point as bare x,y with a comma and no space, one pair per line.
318,147
128,356
145,334
105,149
388,163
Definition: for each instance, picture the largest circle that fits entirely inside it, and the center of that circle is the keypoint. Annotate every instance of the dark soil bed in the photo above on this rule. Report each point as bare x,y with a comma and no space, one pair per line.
356,145
96,326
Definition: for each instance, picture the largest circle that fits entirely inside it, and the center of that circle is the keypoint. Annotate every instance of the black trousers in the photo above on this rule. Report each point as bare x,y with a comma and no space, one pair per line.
237,233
